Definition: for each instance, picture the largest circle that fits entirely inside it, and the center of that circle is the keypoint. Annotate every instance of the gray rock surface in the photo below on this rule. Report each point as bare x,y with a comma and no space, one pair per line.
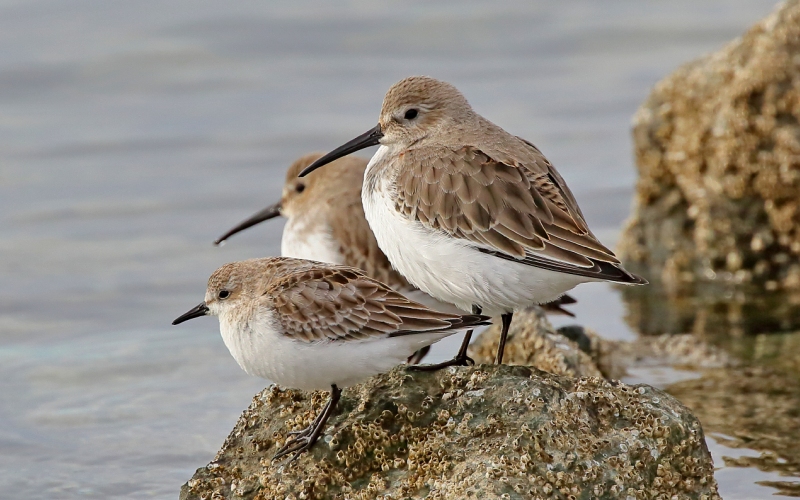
476,432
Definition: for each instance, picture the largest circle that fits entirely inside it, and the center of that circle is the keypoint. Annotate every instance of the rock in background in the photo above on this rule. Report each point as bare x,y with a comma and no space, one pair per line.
575,351
716,229
718,152
486,432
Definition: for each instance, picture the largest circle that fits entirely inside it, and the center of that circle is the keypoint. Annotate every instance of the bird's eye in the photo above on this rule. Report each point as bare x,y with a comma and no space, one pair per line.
410,114
300,188
223,294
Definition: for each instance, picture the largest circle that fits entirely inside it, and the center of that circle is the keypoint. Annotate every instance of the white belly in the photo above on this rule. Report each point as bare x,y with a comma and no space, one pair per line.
423,298
302,239
261,351
454,272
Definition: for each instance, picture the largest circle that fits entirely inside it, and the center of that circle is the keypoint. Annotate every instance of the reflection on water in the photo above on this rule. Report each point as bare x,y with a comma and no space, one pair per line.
711,310
134,132
750,404
755,406
749,482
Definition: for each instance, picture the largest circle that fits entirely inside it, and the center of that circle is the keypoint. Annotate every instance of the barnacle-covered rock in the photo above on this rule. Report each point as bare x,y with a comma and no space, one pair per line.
489,432
532,341
718,152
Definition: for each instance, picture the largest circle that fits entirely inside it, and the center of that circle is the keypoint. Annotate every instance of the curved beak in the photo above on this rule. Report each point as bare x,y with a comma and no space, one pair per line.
195,312
371,137
260,216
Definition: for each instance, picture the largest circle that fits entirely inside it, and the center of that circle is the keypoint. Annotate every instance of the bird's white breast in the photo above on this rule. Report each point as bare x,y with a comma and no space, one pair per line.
260,348
307,237
448,268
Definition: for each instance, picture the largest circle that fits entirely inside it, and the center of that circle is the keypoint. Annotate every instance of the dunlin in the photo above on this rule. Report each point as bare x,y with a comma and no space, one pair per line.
326,223
311,326
325,219
469,213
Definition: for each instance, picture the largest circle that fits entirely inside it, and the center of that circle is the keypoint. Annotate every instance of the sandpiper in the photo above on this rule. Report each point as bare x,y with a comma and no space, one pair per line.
469,213
309,325
326,223
326,220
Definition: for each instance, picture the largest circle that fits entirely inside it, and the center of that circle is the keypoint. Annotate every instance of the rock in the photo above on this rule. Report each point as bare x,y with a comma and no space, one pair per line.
532,341
579,335
486,432
616,358
718,152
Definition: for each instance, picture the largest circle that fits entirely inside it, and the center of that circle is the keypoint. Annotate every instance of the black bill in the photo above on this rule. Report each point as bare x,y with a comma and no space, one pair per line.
260,216
195,312
371,137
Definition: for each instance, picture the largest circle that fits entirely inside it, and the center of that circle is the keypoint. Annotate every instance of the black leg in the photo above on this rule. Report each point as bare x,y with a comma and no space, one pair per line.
310,428
461,358
305,439
503,334
418,356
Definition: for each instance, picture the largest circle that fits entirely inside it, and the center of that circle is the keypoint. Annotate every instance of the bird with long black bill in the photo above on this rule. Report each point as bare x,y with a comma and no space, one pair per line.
470,213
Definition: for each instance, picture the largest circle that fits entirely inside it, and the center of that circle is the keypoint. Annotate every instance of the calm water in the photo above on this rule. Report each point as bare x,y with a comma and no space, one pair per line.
132,133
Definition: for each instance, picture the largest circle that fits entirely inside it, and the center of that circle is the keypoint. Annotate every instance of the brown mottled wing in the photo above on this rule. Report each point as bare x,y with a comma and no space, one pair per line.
516,210
358,244
339,303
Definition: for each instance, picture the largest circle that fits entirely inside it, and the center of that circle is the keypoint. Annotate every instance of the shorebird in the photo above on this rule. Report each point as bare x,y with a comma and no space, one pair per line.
325,219
315,326
470,213
326,223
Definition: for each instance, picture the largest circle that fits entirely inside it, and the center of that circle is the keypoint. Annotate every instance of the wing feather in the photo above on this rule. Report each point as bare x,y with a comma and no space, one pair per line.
517,207
339,303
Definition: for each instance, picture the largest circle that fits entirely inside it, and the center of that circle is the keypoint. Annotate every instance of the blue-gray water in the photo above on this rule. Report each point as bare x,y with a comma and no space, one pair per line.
133,133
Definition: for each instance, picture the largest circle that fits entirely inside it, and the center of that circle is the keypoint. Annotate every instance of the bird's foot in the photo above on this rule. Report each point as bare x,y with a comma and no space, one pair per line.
457,361
296,446
303,439
298,442
302,432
